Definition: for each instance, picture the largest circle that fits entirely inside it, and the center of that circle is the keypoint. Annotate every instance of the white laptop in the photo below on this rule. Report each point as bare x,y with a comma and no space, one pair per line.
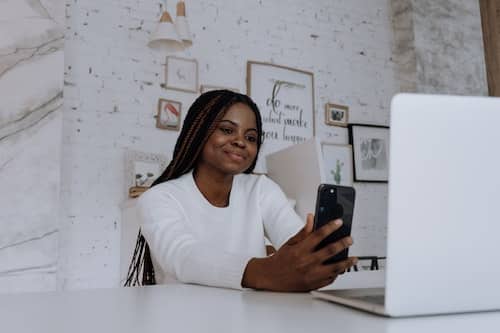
443,240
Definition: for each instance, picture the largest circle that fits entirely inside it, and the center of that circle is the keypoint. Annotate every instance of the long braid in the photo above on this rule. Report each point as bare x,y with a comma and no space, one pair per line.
186,141
200,122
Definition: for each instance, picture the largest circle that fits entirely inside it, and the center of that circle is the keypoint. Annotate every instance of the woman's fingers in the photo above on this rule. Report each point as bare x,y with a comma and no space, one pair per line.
341,266
300,263
309,223
324,282
318,235
332,249
328,273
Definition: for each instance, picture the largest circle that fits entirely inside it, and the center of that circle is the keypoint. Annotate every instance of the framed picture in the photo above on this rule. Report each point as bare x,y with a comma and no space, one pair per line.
337,161
181,74
336,115
370,146
141,170
285,97
168,115
205,87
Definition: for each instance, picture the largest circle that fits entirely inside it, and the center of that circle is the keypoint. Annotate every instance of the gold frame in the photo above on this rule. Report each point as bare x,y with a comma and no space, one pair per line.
332,122
158,111
250,63
249,79
167,86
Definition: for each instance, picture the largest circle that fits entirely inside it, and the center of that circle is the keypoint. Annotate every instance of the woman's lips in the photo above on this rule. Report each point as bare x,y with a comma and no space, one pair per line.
235,156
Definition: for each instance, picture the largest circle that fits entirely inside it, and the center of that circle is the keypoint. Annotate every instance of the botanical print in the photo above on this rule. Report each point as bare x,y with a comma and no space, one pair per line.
337,161
337,173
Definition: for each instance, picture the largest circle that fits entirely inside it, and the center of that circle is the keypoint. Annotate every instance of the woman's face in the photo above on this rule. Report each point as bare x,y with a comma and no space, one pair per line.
232,147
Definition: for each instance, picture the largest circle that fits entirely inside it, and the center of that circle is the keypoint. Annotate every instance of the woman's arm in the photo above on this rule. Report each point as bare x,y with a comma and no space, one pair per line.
177,249
296,266
280,220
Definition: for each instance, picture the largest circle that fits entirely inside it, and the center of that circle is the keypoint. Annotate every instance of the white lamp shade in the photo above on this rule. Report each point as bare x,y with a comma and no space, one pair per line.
165,35
182,26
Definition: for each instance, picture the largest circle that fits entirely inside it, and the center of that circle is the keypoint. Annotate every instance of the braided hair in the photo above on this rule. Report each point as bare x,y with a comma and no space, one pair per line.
200,122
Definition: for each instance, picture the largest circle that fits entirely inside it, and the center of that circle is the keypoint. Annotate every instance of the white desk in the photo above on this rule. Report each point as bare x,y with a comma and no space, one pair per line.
187,308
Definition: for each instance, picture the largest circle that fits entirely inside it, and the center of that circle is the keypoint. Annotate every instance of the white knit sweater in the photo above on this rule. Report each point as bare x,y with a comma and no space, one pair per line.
193,241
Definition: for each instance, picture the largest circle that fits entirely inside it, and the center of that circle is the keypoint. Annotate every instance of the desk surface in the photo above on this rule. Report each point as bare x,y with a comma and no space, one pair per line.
188,308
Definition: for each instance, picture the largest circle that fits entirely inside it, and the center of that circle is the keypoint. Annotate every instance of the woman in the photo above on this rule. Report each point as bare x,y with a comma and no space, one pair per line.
206,216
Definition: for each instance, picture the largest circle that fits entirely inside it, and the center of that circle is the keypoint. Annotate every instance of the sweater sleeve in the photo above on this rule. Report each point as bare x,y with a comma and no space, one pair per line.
281,222
177,249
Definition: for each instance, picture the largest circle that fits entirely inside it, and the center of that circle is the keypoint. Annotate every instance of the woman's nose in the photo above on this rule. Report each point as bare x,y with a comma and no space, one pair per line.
238,141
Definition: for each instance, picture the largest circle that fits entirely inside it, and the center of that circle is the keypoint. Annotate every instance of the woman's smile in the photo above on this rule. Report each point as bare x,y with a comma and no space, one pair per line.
237,157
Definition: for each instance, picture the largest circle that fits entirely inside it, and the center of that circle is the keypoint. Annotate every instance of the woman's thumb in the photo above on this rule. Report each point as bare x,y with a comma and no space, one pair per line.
304,232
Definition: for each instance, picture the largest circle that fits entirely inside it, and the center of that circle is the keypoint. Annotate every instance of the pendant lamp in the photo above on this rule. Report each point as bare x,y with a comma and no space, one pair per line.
165,35
181,24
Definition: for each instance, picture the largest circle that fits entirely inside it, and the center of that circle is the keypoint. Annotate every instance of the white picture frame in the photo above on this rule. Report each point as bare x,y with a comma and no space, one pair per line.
181,74
285,97
337,163
142,168
370,146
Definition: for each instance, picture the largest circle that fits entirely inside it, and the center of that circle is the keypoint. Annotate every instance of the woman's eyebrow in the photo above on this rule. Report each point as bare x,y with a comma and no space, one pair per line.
229,121
236,124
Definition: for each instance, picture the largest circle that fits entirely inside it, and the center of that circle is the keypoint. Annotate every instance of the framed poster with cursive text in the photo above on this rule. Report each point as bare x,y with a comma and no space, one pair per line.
285,97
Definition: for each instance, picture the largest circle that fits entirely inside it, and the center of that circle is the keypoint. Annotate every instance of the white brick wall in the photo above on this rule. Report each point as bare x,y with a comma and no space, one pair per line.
113,84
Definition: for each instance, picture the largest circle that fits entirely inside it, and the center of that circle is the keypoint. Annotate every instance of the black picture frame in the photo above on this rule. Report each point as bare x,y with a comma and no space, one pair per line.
370,152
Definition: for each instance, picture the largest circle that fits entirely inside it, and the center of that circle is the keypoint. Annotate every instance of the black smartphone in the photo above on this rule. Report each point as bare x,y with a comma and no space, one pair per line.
333,202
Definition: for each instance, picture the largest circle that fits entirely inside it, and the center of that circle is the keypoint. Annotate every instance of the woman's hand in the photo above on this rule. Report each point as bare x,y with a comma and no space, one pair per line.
296,266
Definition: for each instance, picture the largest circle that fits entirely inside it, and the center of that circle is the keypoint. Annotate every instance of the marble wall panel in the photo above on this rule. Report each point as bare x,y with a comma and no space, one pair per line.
31,82
404,44
439,46
449,47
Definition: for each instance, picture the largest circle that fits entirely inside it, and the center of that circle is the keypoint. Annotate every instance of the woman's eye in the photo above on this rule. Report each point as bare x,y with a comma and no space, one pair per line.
251,138
226,130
